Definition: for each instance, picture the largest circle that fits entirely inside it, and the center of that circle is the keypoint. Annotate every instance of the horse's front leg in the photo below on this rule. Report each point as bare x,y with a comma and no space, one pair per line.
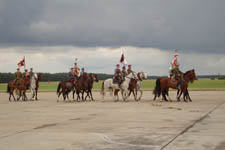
91,96
26,98
36,93
189,96
140,94
10,96
73,94
184,95
135,96
19,96
116,95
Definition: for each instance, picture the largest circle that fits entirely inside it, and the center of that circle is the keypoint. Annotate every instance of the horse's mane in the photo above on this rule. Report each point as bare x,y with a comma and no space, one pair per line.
187,72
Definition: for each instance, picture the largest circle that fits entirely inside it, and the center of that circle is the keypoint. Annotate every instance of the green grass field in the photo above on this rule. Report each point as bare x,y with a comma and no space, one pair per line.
202,84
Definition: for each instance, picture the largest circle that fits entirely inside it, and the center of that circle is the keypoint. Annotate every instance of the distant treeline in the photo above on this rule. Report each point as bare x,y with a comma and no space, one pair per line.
6,77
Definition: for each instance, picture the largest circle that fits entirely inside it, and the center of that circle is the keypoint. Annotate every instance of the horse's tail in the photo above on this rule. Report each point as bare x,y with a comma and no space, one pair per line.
8,88
157,90
102,90
58,89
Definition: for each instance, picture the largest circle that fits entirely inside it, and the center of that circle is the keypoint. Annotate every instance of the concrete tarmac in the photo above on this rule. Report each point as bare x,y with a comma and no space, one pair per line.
107,125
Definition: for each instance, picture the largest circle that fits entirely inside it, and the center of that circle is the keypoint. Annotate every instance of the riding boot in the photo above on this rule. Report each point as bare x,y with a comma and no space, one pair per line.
178,84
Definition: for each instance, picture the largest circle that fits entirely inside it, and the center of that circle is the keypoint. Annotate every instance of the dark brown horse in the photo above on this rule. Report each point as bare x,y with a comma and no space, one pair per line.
91,79
81,86
189,76
64,88
163,84
20,88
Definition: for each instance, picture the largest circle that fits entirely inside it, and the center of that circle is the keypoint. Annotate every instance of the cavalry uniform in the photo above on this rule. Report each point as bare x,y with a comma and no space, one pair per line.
117,75
129,70
124,72
82,72
31,73
18,76
175,72
26,74
76,70
71,75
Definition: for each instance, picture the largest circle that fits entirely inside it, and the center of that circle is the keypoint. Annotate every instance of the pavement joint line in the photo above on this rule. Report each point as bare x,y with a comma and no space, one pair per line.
192,125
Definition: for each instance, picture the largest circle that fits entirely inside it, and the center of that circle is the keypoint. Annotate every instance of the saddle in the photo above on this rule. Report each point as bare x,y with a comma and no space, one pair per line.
173,80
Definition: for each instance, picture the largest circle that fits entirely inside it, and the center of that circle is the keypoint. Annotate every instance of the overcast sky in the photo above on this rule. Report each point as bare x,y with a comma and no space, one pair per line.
52,33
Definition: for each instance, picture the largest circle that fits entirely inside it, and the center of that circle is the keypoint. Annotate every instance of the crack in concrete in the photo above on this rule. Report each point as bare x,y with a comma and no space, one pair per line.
192,125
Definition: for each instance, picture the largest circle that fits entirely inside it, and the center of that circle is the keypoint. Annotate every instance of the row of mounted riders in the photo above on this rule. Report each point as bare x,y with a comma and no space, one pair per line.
22,83
84,84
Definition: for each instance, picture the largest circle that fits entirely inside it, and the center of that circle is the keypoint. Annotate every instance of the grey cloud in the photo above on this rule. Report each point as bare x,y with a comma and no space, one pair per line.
186,25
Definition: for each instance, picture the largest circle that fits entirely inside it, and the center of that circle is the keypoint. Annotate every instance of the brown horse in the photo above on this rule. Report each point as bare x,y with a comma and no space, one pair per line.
82,85
21,88
163,84
135,85
65,87
189,76
91,79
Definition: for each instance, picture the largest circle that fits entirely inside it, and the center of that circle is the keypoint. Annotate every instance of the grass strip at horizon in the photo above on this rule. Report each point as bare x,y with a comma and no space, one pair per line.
201,85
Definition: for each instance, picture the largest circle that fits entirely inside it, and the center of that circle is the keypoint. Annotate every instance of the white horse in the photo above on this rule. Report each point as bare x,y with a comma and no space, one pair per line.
33,86
108,85
141,75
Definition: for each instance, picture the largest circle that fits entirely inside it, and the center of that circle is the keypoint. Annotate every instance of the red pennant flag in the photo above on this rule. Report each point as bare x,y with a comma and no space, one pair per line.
21,63
123,60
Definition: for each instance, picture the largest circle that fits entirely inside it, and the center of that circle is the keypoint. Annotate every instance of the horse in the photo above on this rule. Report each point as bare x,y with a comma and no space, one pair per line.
109,85
135,85
65,87
81,86
189,76
163,84
20,89
34,85
91,79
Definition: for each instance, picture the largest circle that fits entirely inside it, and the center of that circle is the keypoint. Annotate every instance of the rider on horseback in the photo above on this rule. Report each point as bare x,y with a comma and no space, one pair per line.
27,77
71,75
31,73
117,75
76,70
129,70
26,74
175,73
82,72
18,76
124,72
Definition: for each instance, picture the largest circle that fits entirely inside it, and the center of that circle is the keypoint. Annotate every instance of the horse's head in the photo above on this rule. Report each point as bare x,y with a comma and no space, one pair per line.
39,77
35,76
191,75
142,75
95,77
132,75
